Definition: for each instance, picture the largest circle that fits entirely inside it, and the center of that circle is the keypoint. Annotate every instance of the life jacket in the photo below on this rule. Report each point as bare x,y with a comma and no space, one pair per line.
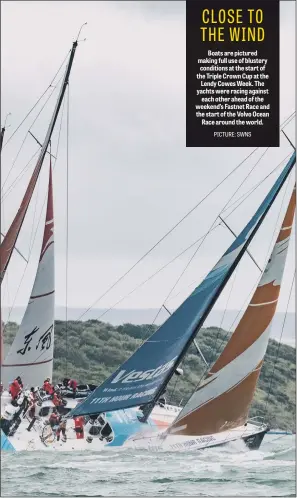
14,389
47,387
72,384
79,427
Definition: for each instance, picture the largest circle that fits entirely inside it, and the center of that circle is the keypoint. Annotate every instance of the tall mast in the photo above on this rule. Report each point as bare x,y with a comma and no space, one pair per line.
141,379
10,238
1,137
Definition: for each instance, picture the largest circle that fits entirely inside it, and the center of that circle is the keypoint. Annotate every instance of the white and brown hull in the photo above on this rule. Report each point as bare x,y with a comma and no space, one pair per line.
250,435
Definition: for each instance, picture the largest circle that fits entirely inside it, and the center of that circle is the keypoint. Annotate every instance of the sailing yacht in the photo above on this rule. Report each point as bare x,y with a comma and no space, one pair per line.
31,353
125,409
217,412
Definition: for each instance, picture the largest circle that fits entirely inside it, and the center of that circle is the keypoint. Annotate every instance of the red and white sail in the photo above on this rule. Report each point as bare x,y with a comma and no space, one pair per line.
223,400
10,239
31,353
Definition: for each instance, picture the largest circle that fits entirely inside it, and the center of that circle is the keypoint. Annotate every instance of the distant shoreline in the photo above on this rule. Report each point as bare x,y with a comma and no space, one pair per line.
145,316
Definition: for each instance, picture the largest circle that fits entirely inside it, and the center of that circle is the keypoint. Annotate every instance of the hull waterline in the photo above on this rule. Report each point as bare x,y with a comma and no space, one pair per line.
251,435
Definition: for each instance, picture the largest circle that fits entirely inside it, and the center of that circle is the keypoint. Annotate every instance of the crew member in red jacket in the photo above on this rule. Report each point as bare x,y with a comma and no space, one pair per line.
54,419
15,388
57,399
47,387
73,385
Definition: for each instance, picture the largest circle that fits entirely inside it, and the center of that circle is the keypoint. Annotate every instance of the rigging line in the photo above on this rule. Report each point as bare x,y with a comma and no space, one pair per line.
207,233
290,142
279,343
55,161
214,349
16,249
272,241
235,235
45,199
181,275
77,38
20,175
249,294
5,121
6,288
212,225
288,120
233,210
247,194
234,276
40,145
14,161
167,264
153,275
168,233
28,132
219,348
28,114
67,230
172,391
34,215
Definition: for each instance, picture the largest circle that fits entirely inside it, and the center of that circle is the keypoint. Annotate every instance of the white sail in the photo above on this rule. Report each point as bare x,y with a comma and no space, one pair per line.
31,353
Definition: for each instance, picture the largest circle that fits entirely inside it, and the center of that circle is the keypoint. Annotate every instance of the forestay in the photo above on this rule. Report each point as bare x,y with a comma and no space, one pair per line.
141,379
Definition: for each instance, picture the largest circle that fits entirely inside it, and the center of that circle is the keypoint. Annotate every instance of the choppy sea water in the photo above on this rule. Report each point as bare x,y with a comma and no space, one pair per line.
226,471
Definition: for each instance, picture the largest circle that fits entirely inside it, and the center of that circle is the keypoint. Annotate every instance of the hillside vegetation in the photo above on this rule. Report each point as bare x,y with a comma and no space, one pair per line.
92,350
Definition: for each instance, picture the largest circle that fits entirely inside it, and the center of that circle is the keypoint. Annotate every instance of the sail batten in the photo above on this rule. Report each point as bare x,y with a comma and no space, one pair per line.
31,353
223,400
142,378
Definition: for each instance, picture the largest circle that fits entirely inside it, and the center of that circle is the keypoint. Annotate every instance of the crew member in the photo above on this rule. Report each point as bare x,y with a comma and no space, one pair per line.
62,428
47,386
66,382
32,402
73,385
57,399
15,388
8,417
54,419
20,381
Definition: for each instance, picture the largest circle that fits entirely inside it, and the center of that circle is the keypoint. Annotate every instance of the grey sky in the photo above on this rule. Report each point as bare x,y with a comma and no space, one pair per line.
131,176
